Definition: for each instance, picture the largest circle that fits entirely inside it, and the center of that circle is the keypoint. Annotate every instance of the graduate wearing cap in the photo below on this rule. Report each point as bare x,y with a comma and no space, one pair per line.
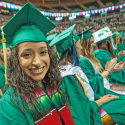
34,95
121,47
76,84
116,37
83,111
105,53
119,50
97,80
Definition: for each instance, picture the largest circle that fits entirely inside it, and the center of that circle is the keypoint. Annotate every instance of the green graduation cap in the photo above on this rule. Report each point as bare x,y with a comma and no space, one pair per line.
64,40
51,37
76,38
29,24
1,46
86,34
63,35
114,34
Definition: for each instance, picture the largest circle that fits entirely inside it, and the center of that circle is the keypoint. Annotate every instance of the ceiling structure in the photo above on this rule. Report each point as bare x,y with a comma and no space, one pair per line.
68,5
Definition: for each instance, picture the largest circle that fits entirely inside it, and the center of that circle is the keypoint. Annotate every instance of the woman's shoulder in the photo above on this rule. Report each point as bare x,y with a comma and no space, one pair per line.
83,59
101,53
9,111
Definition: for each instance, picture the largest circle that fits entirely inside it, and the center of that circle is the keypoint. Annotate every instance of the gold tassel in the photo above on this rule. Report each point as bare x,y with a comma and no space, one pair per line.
116,41
58,54
82,35
122,37
3,40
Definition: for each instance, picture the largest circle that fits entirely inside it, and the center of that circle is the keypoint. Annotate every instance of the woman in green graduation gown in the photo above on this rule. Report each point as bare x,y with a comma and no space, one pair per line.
115,111
84,110
34,95
91,66
105,53
2,68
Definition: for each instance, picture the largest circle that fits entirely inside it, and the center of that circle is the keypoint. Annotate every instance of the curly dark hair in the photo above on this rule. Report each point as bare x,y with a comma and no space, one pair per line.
23,86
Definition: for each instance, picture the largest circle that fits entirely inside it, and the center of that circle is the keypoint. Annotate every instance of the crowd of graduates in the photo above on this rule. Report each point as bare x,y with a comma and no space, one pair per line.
61,79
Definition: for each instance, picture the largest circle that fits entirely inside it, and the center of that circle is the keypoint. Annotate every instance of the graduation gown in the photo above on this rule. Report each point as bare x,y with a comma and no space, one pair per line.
10,114
99,84
120,47
113,107
117,77
2,76
84,111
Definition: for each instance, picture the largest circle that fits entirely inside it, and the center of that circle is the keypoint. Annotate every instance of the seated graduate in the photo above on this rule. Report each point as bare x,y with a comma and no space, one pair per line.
105,53
84,110
118,47
34,95
2,67
91,66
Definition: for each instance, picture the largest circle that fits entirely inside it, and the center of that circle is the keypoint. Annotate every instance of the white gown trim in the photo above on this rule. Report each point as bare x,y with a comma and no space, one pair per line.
66,70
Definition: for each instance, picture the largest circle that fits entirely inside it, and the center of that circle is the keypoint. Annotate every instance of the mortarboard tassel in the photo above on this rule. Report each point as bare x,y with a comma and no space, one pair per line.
74,50
3,40
116,41
57,54
82,35
122,37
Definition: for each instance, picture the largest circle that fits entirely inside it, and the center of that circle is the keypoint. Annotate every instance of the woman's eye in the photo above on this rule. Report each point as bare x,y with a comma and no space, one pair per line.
26,55
43,52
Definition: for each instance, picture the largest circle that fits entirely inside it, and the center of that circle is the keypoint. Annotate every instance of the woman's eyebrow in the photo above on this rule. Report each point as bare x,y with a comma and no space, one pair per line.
43,47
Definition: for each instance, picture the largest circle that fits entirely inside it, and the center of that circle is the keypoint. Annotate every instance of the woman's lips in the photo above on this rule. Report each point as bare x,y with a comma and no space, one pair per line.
37,71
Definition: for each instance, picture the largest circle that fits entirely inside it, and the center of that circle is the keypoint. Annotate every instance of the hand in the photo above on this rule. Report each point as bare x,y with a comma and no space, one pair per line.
119,66
110,65
105,99
121,53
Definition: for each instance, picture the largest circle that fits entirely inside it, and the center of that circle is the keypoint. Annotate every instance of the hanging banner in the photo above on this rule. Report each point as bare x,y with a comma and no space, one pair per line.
50,14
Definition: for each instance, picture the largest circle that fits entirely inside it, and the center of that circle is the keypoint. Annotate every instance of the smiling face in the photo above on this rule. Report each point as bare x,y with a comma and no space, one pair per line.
34,59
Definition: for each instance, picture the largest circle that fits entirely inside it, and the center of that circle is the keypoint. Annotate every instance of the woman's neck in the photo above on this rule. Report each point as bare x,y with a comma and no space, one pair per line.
40,83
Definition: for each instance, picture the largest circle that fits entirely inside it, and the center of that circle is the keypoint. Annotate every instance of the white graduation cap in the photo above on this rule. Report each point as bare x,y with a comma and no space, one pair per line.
102,34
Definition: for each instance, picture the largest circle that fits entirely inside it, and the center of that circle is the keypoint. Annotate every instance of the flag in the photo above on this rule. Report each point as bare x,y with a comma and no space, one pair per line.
8,5
109,8
106,9
92,11
83,13
113,8
4,4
